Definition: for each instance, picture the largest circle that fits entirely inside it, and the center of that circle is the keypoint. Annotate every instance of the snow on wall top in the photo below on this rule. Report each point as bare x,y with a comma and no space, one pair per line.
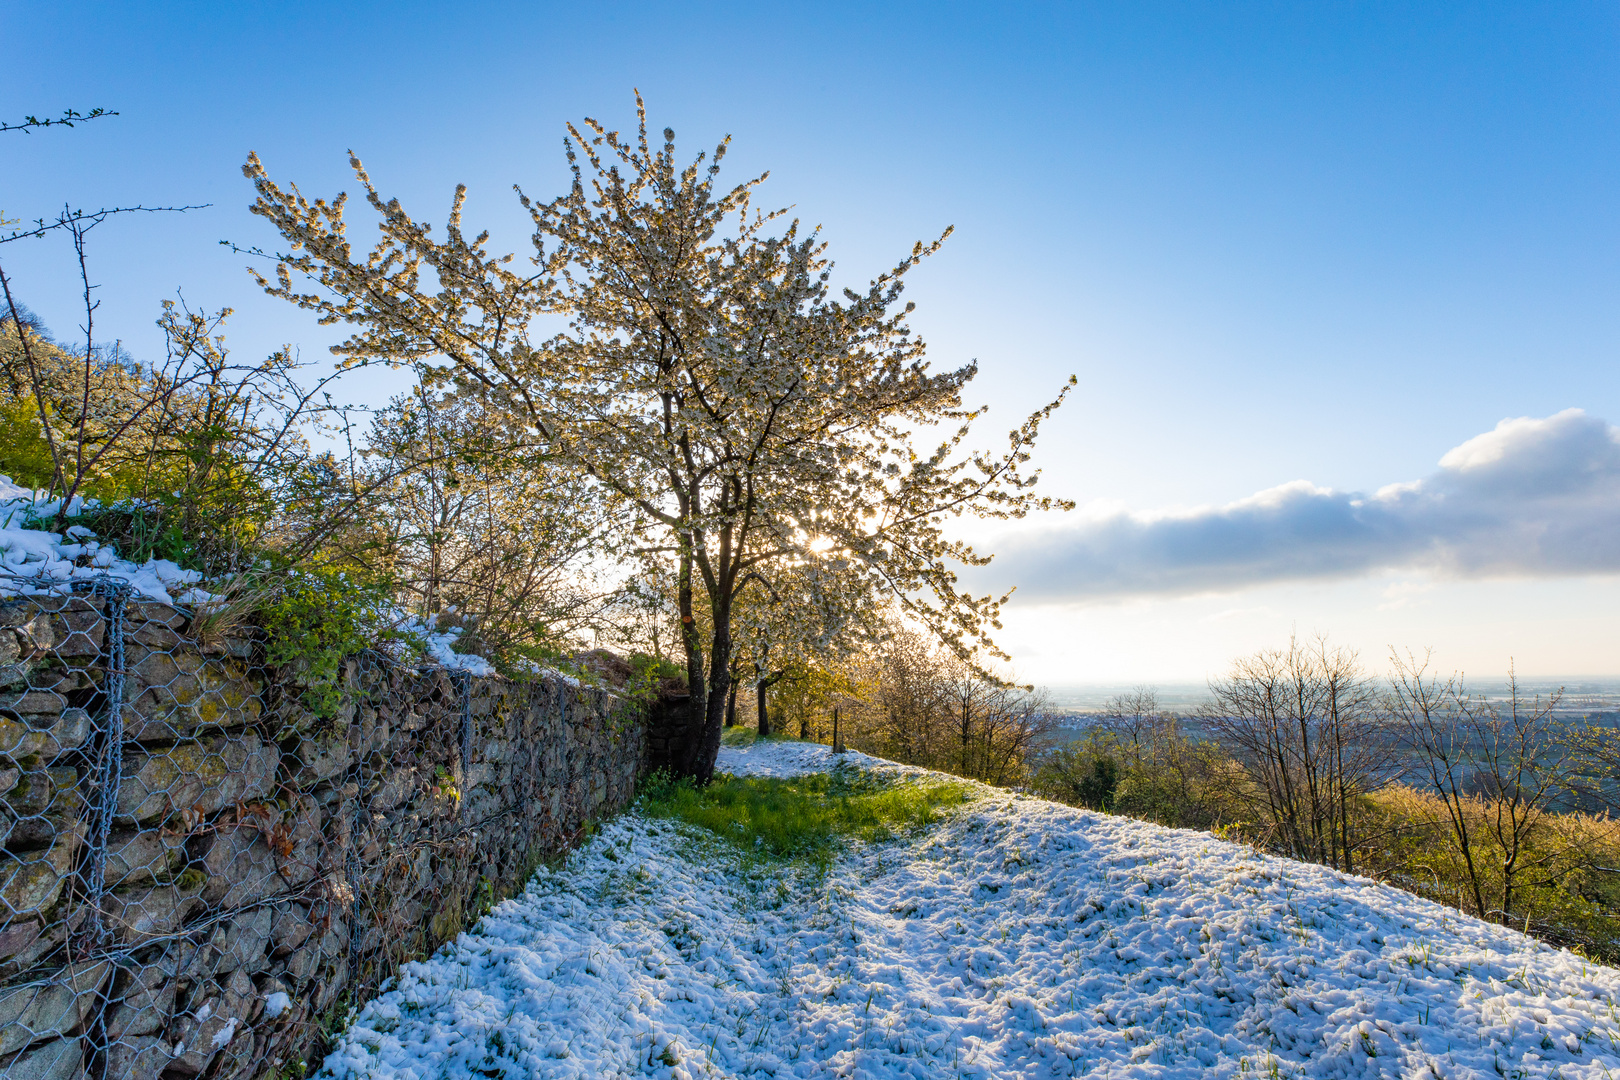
36,561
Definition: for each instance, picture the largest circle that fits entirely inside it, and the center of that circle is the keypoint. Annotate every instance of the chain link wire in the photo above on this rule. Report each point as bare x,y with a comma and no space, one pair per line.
200,876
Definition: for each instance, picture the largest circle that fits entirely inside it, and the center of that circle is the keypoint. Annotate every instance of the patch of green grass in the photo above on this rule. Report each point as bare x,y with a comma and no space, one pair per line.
802,817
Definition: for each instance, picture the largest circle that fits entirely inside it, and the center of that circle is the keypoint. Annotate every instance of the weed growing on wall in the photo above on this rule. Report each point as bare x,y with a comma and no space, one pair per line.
137,531
649,673
313,619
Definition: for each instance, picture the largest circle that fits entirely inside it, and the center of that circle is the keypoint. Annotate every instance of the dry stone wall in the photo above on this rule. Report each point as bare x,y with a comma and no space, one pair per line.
198,876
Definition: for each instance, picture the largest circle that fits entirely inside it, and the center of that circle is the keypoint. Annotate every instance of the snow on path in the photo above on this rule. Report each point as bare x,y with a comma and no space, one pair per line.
1018,938
798,758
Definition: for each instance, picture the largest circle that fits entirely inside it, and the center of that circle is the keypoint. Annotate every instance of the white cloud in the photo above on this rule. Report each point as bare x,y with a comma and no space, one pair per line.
1532,498
1404,594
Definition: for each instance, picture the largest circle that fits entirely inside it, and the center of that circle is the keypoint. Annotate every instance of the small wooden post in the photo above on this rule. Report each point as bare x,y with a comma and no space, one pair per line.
838,738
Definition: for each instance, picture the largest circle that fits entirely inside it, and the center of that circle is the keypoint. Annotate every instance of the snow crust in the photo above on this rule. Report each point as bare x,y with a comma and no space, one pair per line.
796,759
1018,938
37,561
439,646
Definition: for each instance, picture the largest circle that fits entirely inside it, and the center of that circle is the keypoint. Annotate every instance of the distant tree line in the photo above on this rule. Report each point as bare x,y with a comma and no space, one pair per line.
1499,806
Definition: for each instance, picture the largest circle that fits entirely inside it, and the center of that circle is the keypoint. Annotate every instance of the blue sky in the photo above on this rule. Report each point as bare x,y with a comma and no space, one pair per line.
1324,243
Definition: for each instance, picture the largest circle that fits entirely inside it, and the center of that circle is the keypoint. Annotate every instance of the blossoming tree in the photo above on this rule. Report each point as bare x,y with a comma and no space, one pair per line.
752,425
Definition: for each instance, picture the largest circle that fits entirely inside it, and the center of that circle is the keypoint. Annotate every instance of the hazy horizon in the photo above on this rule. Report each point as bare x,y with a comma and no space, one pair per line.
1579,692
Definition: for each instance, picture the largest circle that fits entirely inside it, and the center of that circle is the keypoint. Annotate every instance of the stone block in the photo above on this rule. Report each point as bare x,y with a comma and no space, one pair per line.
19,741
48,939
320,757
240,864
50,1007
138,1057
373,940
247,941
332,987
205,776
176,694
78,630
298,858
31,700
302,964
153,624
392,789
271,984
290,928
17,935
145,995
335,942
59,1060
27,640
290,717
43,736
239,944
216,1017
12,640
136,857
30,881
138,914
238,1060
42,808
68,730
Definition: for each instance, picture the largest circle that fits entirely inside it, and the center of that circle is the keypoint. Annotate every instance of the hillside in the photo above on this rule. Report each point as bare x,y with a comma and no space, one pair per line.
1017,938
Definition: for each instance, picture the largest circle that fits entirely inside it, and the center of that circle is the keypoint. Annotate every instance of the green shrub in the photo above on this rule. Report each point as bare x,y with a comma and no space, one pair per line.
802,817
648,674
651,668
1080,775
25,456
313,619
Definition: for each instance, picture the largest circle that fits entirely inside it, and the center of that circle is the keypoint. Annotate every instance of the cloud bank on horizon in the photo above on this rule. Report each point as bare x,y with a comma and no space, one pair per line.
1531,498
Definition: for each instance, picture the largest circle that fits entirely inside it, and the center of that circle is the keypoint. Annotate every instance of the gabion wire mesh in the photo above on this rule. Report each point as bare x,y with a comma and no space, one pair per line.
199,876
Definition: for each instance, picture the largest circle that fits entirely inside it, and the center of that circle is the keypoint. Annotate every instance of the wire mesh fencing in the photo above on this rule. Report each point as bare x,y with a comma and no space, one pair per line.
200,874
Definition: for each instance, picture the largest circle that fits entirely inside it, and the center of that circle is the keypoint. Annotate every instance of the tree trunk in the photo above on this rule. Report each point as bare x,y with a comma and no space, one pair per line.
967,733
719,689
761,688
731,705
690,759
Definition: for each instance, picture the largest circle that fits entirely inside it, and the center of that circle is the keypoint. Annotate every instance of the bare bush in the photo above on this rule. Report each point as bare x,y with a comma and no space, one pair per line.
1498,772
512,554
1304,724
925,706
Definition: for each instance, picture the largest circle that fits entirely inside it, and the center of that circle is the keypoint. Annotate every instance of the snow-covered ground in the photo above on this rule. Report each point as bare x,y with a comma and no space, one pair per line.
1017,938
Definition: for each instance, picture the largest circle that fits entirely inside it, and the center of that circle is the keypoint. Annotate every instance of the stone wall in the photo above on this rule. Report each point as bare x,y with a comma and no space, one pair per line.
201,880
